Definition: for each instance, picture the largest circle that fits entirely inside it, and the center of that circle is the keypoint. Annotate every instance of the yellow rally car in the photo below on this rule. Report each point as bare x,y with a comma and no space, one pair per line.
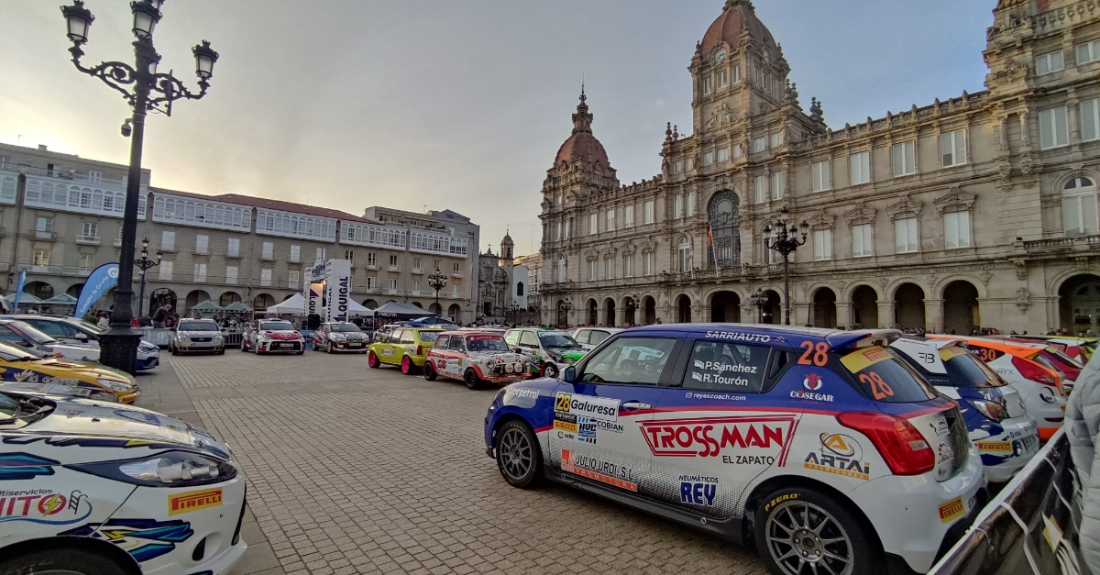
406,346
25,367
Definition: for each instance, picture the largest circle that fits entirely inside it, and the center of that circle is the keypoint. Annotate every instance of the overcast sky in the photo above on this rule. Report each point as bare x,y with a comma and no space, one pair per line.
450,104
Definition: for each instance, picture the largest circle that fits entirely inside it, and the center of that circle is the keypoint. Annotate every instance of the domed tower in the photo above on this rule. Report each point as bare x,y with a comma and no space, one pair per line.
508,263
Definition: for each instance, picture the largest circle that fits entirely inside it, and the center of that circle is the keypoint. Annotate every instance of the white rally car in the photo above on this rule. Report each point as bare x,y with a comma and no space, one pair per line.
1000,429
821,447
93,488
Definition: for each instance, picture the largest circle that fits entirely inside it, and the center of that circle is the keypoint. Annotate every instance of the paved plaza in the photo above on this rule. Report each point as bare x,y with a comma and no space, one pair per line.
354,470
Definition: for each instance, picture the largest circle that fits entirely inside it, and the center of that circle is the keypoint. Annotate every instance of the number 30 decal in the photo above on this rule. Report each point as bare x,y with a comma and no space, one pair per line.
879,388
815,355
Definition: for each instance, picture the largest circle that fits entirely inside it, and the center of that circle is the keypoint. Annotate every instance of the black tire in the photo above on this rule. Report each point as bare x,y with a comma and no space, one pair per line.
64,560
471,379
244,348
550,370
302,352
429,371
518,455
221,351
818,527
173,350
329,348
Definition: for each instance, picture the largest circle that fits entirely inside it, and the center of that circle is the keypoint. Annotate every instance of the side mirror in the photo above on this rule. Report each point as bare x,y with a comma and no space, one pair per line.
570,375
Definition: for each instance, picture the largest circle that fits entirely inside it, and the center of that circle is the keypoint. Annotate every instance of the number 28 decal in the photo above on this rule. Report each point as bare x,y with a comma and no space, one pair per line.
879,388
815,354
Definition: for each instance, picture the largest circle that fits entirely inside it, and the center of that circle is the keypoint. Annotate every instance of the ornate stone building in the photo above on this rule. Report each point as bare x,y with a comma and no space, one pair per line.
975,210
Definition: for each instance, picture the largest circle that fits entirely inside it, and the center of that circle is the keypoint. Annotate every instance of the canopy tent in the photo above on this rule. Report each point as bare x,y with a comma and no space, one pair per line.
25,299
207,305
357,310
400,310
293,305
61,299
238,306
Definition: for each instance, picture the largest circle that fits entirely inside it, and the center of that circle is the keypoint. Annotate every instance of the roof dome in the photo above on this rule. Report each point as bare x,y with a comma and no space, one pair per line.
507,240
738,19
582,145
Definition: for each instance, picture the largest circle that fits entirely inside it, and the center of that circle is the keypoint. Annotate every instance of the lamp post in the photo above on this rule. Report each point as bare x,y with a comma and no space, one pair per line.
566,306
515,313
146,91
759,299
437,281
786,242
145,264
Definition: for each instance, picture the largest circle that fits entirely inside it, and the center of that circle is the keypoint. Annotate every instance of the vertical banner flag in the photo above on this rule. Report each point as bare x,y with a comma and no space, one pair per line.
337,289
314,283
19,290
101,279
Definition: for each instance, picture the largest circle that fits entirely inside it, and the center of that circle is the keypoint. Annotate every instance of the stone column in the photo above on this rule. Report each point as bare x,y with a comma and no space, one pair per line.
933,315
1072,115
886,313
700,313
620,315
843,314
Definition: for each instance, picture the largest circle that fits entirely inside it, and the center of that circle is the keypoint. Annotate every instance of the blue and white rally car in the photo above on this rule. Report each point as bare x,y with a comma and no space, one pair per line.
1000,428
822,447
92,488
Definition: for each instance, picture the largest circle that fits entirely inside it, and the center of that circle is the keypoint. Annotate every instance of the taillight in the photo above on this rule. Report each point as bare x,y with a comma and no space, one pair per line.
419,350
898,442
1035,372
990,409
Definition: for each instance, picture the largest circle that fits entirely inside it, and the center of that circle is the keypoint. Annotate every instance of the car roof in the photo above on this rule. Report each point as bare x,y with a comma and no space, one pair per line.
466,332
836,338
1011,347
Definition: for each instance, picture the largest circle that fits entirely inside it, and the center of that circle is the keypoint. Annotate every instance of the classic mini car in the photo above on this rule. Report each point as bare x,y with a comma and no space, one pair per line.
1023,366
823,447
1000,429
27,367
272,336
551,351
340,336
476,358
407,347
74,331
590,337
24,335
195,336
95,488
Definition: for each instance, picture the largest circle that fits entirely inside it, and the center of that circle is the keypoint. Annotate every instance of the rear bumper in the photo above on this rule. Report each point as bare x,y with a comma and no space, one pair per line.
148,363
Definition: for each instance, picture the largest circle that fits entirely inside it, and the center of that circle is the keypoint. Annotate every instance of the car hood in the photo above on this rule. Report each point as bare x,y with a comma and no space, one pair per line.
95,424
350,334
280,334
501,356
61,367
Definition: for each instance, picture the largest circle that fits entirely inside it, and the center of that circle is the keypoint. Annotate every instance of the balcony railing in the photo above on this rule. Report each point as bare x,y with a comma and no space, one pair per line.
1075,243
45,236
90,240
60,270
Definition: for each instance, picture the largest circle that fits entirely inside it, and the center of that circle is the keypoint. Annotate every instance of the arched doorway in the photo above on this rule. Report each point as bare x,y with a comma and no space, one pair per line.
960,308
454,312
629,308
609,312
370,304
262,301
563,314
74,290
435,309
593,312
824,308
195,298
771,313
161,298
909,306
417,304
487,308
40,290
1079,304
683,309
865,307
650,306
725,307
229,297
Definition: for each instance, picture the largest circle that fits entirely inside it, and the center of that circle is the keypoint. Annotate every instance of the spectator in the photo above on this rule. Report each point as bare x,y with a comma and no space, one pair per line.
160,316
1083,431
104,321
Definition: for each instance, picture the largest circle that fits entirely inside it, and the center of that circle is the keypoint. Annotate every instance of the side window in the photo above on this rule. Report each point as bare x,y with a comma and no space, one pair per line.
457,345
630,360
582,335
442,342
50,328
727,366
529,339
598,337
409,336
511,337
396,336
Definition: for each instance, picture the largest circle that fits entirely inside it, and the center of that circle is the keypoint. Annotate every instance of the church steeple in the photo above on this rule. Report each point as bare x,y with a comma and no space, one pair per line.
582,120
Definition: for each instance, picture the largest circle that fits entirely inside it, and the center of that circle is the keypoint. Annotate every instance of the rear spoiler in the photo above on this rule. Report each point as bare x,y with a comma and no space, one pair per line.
846,340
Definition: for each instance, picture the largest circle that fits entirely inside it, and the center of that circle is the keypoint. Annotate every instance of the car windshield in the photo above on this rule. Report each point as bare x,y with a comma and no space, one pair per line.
85,326
486,343
557,340
965,371
276,326
429,336
344,328
198,326
882,375
9,352
32,333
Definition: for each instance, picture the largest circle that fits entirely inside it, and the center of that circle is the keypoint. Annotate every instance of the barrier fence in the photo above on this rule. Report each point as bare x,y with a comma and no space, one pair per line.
1030,528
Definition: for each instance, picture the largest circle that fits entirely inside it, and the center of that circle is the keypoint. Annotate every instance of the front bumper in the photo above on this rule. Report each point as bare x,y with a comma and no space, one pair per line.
128,398
351,347
280,346
200,345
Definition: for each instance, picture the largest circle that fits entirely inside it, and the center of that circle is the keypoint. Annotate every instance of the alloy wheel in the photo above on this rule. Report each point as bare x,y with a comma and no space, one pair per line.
516,454
804,538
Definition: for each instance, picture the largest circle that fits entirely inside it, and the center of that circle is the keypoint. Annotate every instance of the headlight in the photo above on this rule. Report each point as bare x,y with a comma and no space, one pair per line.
557,358
170,469
182,336
100,395
217,336
337,336
990,409
115,385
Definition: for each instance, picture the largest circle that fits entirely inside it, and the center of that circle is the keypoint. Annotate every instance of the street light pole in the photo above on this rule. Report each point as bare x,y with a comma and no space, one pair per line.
146,91
786,242
760,299
437,281
145,264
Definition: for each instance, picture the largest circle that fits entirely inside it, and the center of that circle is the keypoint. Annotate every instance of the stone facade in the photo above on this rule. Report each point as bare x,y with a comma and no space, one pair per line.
978,210
61,216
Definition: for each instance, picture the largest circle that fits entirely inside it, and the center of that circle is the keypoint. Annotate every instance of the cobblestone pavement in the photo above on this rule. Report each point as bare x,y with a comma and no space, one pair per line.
354,470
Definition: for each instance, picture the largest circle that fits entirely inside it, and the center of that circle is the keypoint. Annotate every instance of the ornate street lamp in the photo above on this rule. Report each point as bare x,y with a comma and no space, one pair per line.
146,91
437,281
145,264
565,306
786,242
759,299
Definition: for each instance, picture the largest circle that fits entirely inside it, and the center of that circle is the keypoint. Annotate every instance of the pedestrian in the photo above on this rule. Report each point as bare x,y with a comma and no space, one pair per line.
160,315
1083,431
659,322
104,322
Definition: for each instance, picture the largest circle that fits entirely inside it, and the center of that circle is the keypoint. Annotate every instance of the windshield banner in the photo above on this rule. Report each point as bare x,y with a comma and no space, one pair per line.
19,290
1030,528
101,279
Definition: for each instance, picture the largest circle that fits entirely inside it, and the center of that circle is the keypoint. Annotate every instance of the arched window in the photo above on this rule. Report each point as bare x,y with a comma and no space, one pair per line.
1079,207
561,269
519,289
684,254
724,240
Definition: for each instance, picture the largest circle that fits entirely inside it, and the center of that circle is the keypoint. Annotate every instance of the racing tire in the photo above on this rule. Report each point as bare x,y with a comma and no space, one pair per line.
372,360
173,350
244,348
550,370
471,379
518,456
221,351
76,561
796,528
407,365
429,371
329,348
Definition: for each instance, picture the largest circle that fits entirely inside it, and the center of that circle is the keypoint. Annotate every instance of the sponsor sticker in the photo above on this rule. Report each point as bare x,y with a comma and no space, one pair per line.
597,408
839,455
586,430
999,447
710,395
596,470
520,396
566,426
387,352
811,389
861,359
194,501
698,490
739,336
952,510
780,499
740,440
44,506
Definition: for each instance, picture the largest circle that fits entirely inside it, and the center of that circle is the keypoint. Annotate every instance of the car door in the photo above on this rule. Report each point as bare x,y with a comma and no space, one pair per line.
390,349
440,355
599,419
717,427
457,360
